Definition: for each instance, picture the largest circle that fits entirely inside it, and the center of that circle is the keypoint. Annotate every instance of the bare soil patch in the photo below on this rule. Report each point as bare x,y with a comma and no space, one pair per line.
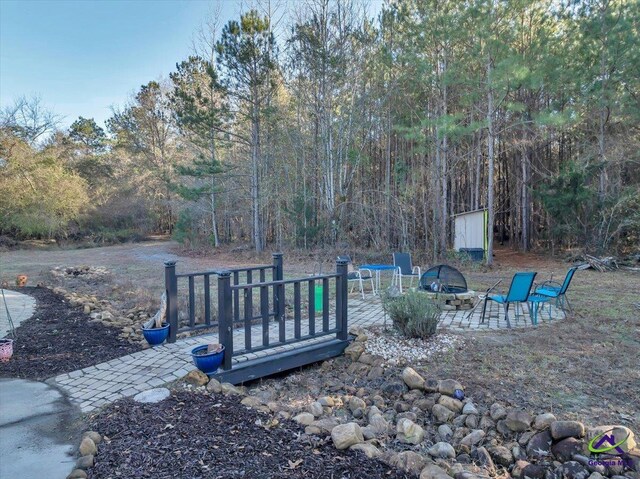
198,436
60,339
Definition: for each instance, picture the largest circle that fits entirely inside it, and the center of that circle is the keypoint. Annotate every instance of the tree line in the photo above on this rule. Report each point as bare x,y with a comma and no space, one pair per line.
319,125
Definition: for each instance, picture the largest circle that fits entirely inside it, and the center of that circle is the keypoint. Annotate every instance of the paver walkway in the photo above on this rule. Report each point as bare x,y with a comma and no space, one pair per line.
95,386
20,306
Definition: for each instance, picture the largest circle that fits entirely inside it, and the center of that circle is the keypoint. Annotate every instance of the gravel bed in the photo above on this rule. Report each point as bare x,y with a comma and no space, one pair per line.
397,349
59,339
196,435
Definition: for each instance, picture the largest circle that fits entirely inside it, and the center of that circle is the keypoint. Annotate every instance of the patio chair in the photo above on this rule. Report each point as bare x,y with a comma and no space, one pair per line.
402,261
554,290
357,275
518,293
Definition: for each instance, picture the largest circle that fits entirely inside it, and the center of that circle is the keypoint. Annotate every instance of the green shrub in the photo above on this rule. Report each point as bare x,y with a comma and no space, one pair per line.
414,314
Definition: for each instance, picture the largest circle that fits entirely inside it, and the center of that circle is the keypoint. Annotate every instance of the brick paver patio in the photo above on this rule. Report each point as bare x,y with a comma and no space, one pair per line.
98,385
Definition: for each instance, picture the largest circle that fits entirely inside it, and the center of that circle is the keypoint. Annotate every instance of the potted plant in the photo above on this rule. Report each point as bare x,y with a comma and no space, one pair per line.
208,357
156,330
6,349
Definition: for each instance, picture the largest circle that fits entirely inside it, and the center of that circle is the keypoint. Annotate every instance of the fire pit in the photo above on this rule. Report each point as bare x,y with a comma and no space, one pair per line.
448,285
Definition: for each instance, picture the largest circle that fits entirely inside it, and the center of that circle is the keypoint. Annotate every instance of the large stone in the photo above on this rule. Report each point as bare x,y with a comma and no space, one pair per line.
85,462
346,435
473,438
441,413
574,470
482,456
432,471
315,408
356,403
445,432
196,378
561,429
394,388
567,448
540,444
409,461
254,403
616,433
369,450
229,389
542,421
469,408
326,424
87,447
77,474
450,403
95,437
497,411
501,455
518,420
449,386
354,350
214,386
379,425
304,418
409,432
412,379
534,471
152,395
442,450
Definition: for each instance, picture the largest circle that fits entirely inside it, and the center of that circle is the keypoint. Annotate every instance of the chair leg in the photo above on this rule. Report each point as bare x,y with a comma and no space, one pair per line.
566,298
373,288
484,309
361,288
400,282
506,314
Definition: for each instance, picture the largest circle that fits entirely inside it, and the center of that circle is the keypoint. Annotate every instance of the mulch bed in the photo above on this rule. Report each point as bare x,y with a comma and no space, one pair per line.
60,339
196,435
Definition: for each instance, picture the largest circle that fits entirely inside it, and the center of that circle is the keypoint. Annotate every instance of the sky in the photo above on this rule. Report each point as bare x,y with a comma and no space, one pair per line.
81,57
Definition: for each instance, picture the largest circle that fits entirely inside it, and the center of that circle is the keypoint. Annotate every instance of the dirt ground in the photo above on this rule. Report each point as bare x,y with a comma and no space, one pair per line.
586,366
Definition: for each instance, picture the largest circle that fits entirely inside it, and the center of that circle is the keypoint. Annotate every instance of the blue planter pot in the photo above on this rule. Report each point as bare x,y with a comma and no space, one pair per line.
155,336
208,363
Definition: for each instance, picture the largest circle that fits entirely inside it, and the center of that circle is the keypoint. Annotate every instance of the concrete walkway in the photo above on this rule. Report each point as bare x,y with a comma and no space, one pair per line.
21,307
36,424
98,385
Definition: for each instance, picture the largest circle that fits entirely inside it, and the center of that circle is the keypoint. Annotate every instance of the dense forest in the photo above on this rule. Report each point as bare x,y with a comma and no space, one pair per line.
314,124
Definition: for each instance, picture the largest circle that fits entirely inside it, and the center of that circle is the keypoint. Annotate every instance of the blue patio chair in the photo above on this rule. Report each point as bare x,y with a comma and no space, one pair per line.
357,275
404,269
557,291
518,293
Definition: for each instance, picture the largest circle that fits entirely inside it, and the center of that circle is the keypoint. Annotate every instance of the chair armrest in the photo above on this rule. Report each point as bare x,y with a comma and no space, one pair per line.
413,271
367,270
549,283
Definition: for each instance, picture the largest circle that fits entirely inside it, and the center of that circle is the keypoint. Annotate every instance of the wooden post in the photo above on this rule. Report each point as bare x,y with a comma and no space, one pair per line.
171,286
278,294
342,267
225,320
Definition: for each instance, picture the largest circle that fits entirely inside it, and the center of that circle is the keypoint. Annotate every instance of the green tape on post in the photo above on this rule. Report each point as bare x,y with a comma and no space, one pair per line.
318,297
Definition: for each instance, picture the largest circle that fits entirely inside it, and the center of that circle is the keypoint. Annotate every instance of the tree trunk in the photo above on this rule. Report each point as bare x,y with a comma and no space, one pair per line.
491,161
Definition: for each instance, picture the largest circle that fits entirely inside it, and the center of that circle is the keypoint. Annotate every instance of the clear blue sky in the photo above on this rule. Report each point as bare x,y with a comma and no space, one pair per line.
83,56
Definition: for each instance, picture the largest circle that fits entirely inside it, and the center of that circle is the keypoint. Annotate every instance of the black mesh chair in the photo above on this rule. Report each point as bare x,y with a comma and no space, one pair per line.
357,275
404,269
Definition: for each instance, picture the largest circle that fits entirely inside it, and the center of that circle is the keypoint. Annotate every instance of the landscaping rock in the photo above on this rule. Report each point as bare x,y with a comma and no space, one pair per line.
371,451
471,421
315,408
327,401
473,438
449,386
497,411
409,461
394,388
214,386
379,425
356,403
354,350
540,444
412,379
409,432
253,402
561,429
441,413
304,418
445,432
346,435
502,428
542,421
94,436
196,377
469,408
432,471
152,395
77,474
518,420
230,389
534,471
85,462
450,403
501,455
325,425
87,446
443,450
574,470
567,448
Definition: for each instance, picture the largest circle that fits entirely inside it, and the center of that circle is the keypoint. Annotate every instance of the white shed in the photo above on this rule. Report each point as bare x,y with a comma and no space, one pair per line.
471,230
